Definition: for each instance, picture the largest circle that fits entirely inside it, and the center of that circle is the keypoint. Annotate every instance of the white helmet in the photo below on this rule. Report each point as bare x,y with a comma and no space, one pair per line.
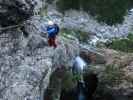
50,22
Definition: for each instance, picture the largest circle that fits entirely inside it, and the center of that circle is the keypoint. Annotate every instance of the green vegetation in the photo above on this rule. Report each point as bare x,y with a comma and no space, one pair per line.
108,11
112,75
82,36
68,81
49,1
68,4
125,45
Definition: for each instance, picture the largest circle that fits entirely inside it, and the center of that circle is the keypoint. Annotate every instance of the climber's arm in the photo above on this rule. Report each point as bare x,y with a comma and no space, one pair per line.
51,30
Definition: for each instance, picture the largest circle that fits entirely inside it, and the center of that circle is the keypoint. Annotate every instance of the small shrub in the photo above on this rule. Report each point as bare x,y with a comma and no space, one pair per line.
67,4
125,45
81,36
112,75
69,81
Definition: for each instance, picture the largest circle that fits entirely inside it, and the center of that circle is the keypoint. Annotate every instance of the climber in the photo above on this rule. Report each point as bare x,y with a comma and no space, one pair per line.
52,30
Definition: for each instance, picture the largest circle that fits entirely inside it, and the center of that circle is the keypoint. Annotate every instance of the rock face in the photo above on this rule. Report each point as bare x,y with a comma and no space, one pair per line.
15,11
27,63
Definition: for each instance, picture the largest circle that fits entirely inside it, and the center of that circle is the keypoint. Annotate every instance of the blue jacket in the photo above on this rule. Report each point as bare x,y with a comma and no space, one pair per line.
52,30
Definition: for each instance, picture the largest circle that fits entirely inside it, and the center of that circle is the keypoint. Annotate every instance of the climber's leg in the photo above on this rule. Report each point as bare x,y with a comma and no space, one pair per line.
50,41
54,42
91,83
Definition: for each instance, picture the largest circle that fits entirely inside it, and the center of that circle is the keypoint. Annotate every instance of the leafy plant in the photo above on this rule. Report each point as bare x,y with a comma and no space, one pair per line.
125,45
112,75
69,81
82,36
69,4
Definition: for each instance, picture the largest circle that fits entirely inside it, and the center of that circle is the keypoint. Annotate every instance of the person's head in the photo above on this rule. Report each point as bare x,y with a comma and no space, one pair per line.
88,56
50,22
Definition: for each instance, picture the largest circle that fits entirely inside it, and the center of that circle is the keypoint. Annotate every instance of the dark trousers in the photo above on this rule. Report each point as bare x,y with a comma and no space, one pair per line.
52,41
